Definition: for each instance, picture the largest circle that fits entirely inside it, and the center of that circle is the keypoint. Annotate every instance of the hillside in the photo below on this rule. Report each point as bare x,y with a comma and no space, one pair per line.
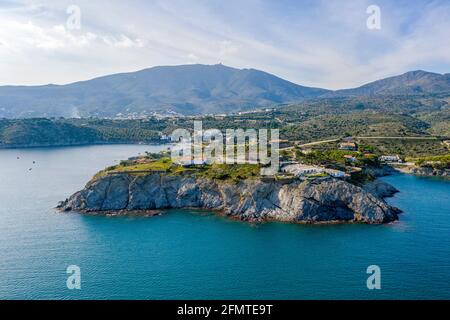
59,132
420,116
187,89
195,90
413,82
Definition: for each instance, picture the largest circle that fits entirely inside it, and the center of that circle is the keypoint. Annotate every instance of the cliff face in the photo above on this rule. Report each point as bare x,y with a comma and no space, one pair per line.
380,188
325,201
430,172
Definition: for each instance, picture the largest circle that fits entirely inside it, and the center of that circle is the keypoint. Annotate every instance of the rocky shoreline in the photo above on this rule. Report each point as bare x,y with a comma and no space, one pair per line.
425,171
422,171
380,188
76,144
326,200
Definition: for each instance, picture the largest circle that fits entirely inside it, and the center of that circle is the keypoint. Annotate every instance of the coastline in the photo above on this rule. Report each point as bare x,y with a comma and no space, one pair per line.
424,172
418,171
321,201
59,145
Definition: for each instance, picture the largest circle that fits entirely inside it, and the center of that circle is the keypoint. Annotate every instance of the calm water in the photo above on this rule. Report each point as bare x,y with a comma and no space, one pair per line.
198,255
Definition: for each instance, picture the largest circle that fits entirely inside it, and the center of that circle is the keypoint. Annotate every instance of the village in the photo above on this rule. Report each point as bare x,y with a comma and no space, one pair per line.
352,161
346,161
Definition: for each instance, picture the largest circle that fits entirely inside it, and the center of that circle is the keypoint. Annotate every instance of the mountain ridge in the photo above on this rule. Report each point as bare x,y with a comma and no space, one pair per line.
193,89
411,82
186,89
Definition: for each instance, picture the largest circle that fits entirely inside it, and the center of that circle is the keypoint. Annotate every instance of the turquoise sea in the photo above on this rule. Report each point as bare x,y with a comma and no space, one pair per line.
197,255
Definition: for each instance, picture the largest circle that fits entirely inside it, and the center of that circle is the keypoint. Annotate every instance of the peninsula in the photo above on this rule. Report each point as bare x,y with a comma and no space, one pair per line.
235,191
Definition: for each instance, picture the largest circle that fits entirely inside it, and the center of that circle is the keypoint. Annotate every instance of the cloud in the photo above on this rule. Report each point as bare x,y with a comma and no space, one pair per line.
28,36
122,41
316,43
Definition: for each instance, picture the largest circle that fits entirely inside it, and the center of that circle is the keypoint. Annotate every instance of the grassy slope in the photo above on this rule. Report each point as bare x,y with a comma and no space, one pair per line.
309,121
224,172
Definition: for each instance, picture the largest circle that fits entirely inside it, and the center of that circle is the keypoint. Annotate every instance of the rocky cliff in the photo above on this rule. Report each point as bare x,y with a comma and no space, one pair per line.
429,172
320,201
380,188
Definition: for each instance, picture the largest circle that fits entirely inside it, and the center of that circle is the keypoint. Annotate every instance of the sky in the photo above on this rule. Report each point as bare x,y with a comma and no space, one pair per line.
310,42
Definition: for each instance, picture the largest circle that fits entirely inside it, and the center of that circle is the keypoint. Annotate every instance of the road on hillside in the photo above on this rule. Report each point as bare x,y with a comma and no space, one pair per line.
402,138
379,137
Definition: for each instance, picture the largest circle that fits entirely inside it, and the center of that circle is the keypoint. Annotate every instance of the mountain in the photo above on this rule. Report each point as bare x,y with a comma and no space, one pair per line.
413,82
186,89
190,90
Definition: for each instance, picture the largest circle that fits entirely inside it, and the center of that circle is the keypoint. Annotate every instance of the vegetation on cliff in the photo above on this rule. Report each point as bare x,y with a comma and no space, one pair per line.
54,132
437,162
153,163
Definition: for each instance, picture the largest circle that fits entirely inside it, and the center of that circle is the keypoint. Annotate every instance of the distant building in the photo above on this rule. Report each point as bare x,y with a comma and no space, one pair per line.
189,162
390,159
353,146
354,170
164,137
335,173
299,170
142,160
350,158
193,163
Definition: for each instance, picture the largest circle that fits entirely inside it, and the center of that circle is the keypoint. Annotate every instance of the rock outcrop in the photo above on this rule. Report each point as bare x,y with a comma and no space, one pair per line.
380,188
320,201
382,171
429,172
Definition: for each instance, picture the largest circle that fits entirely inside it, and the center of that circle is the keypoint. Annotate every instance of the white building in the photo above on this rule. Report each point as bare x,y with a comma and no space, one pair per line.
189,163
335,173
390,159
301,170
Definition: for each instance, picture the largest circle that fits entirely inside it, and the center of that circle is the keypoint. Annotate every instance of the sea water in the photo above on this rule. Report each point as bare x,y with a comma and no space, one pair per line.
197,255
